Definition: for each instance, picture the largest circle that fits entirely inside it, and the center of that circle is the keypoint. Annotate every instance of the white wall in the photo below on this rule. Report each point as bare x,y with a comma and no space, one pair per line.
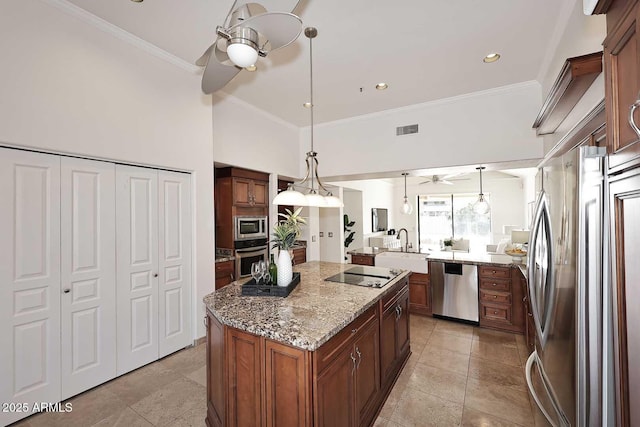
484,127
254,139
352,200
507,199
69,87
331,248
375,194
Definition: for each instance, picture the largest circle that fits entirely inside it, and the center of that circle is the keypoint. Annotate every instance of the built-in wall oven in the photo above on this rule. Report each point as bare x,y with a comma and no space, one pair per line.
249,251
250,228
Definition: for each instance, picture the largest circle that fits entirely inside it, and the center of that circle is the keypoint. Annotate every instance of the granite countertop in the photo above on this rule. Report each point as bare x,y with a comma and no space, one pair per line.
367,250
472,258
313,313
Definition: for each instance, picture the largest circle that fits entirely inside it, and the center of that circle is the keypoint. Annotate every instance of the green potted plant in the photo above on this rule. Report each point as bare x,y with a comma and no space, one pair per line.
448,243
285,233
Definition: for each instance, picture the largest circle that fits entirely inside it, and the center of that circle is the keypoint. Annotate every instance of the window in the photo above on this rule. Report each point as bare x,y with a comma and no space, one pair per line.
451,215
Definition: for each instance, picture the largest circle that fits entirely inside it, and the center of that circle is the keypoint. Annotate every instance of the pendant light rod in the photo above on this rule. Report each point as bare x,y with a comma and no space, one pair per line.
405,183
480,169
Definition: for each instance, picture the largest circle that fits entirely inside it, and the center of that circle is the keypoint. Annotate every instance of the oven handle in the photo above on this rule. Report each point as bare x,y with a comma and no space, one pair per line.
255,249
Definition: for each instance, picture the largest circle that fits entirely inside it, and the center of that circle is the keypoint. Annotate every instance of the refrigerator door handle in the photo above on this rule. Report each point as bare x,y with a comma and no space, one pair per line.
527,370
547,288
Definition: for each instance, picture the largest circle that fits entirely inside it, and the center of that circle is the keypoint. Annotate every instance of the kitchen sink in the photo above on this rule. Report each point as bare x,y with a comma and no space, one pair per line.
416,262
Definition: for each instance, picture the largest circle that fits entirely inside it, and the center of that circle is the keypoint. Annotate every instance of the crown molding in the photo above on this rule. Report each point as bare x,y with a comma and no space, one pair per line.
99,23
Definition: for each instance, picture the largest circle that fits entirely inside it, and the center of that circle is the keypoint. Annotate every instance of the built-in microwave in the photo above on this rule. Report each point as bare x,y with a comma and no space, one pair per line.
250,227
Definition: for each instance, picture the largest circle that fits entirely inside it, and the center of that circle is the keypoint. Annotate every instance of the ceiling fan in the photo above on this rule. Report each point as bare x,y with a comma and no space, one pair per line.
446,179
248,31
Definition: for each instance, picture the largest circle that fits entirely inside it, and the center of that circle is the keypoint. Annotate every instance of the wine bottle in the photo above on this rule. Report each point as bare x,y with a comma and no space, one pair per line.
273,271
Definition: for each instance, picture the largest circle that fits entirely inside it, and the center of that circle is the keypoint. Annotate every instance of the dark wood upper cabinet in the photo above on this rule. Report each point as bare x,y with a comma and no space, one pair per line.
576,76
621,90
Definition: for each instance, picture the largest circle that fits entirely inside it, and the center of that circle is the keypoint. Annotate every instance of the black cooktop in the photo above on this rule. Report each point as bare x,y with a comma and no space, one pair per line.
372,277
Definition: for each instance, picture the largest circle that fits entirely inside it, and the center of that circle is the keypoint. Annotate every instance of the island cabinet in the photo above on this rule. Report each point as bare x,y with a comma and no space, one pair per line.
420,294
256,381
501,298
347,385
394,334
363,260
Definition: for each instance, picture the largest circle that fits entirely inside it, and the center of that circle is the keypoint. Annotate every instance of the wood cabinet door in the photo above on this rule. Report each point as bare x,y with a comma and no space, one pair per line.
287,379
625,210
622,86
367,375
388,342
403,342
216,381
242,192
244,362
334,392
419,294
260,193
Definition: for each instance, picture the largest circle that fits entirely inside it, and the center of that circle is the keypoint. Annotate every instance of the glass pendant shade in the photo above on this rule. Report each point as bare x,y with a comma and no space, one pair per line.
481,206
290,197
333,202
315,199
242,55
406,208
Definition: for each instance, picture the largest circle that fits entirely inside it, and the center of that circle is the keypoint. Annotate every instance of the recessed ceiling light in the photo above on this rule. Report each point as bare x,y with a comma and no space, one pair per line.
250,67
137,1
492,57
382,86
307,105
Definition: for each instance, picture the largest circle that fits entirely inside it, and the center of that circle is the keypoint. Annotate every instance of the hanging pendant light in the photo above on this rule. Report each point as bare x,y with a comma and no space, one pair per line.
406,207
309,194
481,206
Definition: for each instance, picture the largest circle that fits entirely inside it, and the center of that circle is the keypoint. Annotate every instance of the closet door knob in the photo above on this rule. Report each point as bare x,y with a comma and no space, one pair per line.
155,274
66,291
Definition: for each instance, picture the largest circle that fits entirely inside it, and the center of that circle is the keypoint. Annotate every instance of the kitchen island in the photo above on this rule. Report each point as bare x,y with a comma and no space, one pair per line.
328,354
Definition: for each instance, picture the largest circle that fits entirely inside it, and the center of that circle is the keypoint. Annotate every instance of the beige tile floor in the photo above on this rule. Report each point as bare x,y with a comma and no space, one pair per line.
457,375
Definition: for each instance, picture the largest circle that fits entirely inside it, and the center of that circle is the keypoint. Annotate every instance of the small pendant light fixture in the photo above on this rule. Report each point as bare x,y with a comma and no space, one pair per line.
406,208
481,206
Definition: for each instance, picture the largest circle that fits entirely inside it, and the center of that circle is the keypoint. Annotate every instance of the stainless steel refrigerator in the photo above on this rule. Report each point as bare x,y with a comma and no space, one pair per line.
570,373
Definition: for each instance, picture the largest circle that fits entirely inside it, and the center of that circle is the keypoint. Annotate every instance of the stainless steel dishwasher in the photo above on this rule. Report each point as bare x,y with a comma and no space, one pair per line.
454,289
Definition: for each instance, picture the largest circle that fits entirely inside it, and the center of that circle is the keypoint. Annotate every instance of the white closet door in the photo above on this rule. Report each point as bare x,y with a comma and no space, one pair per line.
29,280
88,274
174,209
137,266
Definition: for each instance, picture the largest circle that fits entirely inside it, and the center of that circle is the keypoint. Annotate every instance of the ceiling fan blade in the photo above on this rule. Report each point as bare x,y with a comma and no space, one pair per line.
424,182
271,5
202,61
444,181
453,175
279,28
217,75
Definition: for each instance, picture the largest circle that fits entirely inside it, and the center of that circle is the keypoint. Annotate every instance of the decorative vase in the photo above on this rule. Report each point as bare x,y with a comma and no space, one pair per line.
285,268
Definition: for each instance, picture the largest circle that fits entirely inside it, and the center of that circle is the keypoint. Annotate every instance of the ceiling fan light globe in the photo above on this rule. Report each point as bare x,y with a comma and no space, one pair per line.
242,54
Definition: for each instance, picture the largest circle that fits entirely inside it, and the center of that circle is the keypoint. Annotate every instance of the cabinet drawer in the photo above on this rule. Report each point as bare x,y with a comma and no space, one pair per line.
224,267
363,260
495,284
496,313
391,297
495,297
497,272
332,348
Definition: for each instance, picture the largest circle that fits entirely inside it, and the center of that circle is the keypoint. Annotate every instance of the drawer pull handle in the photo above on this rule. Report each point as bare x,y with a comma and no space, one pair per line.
495,312
353,360
494,284
359,357
353,331
493,272
495,296
632,122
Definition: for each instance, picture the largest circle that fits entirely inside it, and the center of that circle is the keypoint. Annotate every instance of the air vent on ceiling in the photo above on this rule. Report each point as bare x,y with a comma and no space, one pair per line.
406,130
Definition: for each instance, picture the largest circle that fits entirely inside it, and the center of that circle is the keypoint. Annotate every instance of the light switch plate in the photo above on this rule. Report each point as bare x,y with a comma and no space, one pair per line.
331,234
313,238
321,234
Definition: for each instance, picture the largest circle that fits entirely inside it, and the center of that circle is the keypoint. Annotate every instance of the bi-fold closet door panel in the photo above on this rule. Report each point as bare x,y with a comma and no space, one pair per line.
88,274
174,216
29,280
153,215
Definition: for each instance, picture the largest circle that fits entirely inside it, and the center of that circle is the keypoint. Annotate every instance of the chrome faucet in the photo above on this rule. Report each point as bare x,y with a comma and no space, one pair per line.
406,245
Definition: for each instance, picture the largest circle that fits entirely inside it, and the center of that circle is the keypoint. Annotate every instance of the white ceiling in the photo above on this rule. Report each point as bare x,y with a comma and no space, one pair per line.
424,49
